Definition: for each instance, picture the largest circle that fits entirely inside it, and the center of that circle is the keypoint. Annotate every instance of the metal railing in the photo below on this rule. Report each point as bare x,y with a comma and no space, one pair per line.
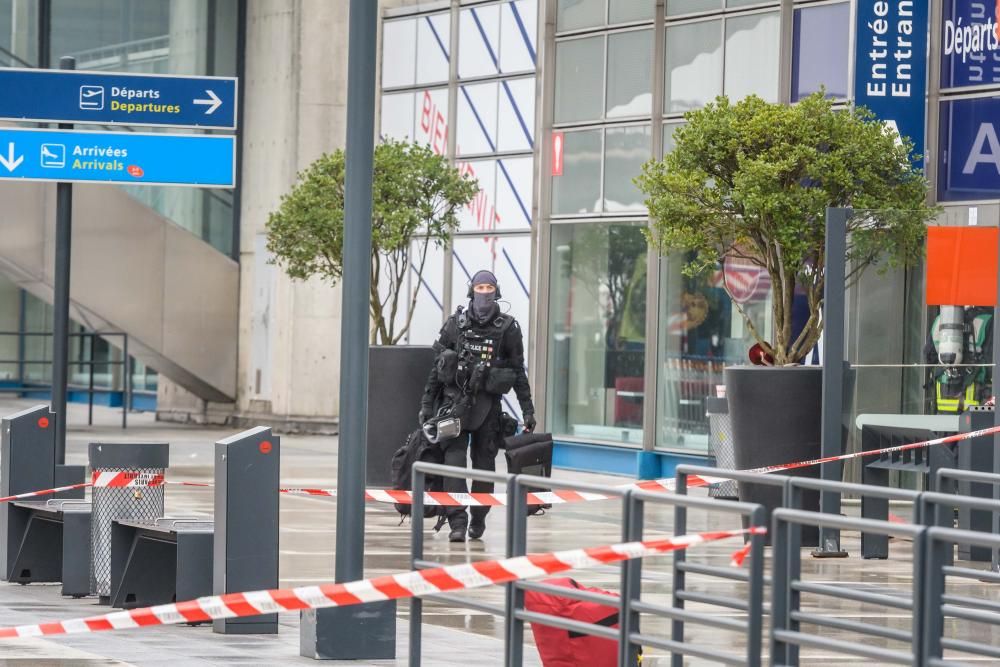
629,604
965,479
125,361
787,633
939,605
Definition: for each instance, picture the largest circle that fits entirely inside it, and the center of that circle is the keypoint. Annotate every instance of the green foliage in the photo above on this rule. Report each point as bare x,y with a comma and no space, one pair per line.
754,179
416,196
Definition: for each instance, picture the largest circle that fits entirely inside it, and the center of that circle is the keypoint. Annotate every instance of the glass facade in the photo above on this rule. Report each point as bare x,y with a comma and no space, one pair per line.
169,37
631,345
597,375
160,38
478,111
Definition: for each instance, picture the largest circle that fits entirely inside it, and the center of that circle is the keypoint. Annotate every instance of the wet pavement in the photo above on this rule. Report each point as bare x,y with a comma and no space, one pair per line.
452,636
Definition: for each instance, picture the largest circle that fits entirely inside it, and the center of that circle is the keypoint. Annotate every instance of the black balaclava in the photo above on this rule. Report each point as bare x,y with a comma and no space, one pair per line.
483,305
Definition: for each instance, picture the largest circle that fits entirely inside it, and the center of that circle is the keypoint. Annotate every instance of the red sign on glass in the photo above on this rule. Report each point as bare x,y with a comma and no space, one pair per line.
558,141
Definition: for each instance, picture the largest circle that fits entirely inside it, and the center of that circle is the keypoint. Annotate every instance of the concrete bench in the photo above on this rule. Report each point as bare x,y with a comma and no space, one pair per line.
54,544
161,560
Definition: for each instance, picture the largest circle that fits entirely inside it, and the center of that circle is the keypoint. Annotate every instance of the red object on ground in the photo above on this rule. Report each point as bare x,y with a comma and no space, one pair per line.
561,648
961,266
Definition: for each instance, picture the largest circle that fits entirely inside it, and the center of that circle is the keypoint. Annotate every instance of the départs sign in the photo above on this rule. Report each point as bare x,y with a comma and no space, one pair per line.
970,43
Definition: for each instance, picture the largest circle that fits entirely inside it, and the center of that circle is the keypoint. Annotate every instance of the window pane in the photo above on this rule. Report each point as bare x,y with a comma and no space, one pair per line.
397,116
623,11
701,331
626,149
630,74
431,119
517,115
694,65
477,118
479,41
752,46
518,31
677,7
433,39
399,62
578,190
820,52
481,213
515,188
597,336
18,33
10,319
579,80
969,150
668,136
575,14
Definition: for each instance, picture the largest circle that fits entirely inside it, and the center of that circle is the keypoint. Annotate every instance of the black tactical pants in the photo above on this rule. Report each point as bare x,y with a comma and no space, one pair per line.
484,443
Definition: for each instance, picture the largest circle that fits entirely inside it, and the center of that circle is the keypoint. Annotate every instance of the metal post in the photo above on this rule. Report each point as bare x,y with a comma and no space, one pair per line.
366,632
356,281
127,387
833,372
60,316
90,384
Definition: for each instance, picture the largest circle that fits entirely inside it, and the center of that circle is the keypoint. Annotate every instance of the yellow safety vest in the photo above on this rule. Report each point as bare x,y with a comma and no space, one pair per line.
955,405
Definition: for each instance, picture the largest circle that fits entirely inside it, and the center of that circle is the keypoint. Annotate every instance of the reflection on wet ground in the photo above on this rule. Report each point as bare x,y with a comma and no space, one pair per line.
452,636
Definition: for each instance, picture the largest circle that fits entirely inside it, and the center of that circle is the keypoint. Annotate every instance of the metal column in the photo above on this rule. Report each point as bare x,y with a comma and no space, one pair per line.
362,631
832,422
60,312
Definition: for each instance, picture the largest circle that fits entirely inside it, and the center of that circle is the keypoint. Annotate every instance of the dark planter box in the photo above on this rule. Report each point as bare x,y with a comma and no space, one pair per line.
775,416
396,377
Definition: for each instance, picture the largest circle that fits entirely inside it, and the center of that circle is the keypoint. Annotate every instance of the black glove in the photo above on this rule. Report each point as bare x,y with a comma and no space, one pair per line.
529,422
425,415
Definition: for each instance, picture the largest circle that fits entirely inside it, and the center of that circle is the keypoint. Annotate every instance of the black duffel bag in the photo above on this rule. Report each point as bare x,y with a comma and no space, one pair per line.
530,454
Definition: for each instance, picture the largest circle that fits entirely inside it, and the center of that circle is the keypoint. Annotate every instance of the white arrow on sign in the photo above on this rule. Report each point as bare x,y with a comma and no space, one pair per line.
213,103
10,162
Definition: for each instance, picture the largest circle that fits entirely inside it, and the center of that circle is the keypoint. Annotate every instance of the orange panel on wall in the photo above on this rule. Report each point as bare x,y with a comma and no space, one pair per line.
961,266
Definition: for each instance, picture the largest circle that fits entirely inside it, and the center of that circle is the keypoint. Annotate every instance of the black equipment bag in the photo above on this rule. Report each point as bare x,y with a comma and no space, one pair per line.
417,448
530,454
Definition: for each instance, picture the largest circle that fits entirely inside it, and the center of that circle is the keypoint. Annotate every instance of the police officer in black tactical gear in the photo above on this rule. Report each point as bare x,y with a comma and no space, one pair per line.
480,357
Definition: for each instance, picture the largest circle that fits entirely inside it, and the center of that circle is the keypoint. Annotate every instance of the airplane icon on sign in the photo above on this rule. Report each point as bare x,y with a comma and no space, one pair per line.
92,98
54,156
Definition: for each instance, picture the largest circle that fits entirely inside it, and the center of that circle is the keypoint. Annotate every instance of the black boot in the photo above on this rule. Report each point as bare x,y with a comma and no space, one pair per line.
477,527
457,534
458,521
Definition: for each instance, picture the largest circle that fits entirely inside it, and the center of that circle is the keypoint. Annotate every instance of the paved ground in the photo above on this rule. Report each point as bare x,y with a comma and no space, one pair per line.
453,636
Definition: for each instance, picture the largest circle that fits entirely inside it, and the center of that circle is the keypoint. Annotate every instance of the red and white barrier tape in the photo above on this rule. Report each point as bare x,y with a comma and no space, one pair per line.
446,499
126,478
390,587
46,492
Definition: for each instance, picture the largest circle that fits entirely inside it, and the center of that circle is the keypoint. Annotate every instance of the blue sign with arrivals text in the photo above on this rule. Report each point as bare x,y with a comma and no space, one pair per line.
118,157
891,64
102,98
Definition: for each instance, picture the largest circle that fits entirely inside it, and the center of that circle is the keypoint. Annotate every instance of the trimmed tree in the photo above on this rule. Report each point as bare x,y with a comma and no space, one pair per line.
416,198
753,180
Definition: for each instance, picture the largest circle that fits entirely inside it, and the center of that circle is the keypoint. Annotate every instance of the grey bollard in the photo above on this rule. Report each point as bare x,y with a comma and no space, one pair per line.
110,503
27,461
247,468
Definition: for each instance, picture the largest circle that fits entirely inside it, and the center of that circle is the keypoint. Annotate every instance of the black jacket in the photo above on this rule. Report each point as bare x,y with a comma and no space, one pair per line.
510,354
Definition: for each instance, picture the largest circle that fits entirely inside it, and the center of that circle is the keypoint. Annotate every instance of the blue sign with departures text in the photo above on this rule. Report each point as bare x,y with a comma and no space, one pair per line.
891,65
970,150
970,43
114,98
118,157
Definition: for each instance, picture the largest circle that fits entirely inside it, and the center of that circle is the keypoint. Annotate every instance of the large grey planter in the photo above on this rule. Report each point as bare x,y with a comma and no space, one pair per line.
396,377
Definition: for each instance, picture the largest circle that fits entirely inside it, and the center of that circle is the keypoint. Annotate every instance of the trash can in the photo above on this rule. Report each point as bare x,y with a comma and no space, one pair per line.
126,477
721,444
